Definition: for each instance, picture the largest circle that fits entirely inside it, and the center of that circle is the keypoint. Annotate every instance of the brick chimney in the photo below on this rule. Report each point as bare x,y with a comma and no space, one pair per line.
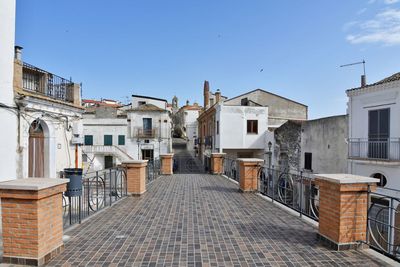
217,96
206,94
18,52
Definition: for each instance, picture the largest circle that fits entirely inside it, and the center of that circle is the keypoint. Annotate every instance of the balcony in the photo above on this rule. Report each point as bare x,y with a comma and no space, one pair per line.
140,132
41,82
383,149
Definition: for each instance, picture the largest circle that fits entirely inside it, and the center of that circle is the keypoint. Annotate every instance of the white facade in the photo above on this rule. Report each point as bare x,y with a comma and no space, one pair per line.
158,140
365,158
8,144
95,129
59,123
232,136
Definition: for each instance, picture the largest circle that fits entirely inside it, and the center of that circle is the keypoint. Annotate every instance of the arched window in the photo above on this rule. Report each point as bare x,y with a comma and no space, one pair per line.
381,177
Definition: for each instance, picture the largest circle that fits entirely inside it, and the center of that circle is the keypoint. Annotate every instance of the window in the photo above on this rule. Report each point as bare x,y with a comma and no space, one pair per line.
308,161
211,101
244,102
88,140
217,127
378,133
252,127
381,177
141,103
108,140
121,140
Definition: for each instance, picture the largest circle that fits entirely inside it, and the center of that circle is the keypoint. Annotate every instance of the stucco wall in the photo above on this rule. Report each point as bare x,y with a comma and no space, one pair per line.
8,144
233,127
326,139
278,107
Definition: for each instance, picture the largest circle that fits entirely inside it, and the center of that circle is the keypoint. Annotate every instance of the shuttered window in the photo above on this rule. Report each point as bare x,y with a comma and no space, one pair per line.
108,140
121,140
252,127
88,140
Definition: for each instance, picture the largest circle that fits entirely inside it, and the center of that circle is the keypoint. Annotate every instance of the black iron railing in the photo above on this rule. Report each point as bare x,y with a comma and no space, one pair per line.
100,189
47,84
374,148
231,168
383,231
153,170
297,191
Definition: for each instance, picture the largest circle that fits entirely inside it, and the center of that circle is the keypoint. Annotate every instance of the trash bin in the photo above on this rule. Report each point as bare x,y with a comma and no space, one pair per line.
74,186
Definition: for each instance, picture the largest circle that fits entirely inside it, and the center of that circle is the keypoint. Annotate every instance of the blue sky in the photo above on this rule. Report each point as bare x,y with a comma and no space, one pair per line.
162,48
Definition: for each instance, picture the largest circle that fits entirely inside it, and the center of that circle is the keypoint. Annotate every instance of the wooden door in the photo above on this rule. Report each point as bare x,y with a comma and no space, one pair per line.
36,150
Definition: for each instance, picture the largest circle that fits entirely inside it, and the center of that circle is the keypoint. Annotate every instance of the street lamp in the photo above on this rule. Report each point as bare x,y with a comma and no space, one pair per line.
269,154
138,148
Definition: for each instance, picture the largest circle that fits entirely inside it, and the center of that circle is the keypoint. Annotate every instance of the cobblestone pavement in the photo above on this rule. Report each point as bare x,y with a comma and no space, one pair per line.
199,220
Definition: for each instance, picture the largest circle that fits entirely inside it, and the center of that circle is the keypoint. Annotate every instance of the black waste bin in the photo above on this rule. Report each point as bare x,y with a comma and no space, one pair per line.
74,187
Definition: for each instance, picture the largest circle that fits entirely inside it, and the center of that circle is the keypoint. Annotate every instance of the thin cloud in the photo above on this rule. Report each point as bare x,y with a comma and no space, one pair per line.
389,2
384,28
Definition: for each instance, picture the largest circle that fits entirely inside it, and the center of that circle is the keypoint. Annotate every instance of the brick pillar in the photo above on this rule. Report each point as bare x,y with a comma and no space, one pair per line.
166,164
343,205
135,176
217,163
32,220
248,172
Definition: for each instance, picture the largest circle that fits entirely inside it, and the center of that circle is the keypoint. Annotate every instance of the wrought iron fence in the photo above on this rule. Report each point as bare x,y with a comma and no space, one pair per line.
45,83
187,163
153,170
297,191
231,168
374,148
100,189
383,231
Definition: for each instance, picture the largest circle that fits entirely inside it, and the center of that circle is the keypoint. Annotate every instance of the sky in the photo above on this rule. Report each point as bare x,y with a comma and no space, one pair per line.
164,48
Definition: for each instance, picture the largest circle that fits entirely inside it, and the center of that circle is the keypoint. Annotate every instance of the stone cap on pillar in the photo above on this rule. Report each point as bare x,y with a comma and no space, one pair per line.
250,161
32,188
169,155
135,162
345,178
218,155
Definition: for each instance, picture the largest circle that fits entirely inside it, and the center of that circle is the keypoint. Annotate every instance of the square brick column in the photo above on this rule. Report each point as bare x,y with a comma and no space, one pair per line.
32,220
135,176
248,173
343,205
217,163
167,164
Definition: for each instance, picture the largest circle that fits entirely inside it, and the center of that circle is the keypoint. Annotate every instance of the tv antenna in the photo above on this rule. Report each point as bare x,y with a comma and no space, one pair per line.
356,63
363,77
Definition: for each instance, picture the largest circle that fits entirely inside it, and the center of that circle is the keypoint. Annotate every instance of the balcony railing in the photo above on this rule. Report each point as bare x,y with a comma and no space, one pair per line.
375,149
140,132
47,84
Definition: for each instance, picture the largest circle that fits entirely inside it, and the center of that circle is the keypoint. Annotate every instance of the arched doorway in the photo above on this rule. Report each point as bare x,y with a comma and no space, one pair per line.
36,149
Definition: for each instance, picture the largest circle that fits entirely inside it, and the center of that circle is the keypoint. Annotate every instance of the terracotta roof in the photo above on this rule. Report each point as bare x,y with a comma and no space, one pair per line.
148,107
392,78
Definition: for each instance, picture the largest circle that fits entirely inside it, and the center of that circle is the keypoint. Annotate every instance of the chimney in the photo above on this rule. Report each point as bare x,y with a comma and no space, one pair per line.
206,94
363,80
217,96
18,52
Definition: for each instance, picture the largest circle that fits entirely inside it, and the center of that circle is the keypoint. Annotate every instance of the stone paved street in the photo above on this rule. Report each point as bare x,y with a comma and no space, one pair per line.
199,220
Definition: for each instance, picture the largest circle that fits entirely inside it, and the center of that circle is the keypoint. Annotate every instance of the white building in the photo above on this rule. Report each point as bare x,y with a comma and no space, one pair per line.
187,123
8,144
112,135
49,121
241,131
105,138
149,127
374,131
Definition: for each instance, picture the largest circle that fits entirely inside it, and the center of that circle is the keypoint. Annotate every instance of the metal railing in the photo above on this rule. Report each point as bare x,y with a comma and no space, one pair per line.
374,148
231,169
140,132
383,230
47,84
153,170
100,189
297,191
